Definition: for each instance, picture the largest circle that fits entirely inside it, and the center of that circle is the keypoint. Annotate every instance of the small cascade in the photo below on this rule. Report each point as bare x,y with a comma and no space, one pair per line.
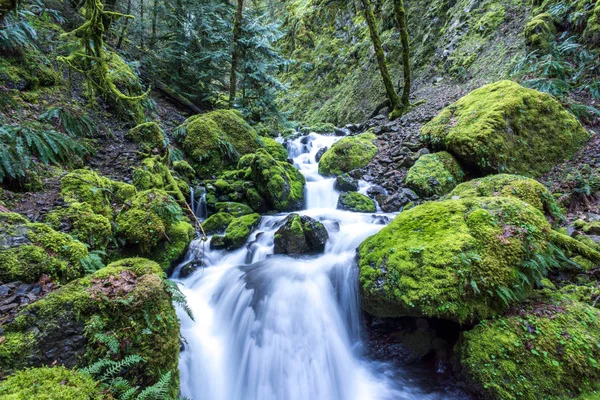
198,202
274,327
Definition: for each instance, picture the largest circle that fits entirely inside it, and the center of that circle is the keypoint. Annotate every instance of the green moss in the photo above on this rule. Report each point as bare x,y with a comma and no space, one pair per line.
539,32
504,127
434,174
235,209
592,29
217,223
357,202
50,384
126,300
321,127
147,220
279,183
463,260
184,169
520,187
217,140
154,173
348,154
547,350
86,186
275,149
41,251
168,252
148,136
85,225
238,231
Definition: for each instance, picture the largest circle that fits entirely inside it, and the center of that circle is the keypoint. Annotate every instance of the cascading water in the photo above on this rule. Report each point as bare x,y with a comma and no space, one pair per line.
273,327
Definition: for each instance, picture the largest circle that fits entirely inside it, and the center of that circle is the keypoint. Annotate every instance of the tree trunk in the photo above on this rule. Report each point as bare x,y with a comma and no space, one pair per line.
154,19
401,23
237,27
393,97
6,6
125,25
142,24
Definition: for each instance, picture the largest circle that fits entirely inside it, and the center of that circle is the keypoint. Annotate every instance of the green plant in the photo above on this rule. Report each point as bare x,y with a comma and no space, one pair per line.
74,123
16,32
21,146
93,262
178,297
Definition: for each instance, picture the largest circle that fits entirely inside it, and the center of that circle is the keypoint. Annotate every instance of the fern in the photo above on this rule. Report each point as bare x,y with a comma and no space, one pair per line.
74,123
93,262
158,391
20,145
109,341
178,297
16,33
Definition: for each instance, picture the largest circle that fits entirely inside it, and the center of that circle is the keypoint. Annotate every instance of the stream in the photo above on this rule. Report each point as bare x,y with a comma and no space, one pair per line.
275,327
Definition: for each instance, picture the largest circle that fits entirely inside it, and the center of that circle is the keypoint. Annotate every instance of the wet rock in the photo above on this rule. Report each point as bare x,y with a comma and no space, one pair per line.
300,235
375,191
396,201
345,183
341,132
320,153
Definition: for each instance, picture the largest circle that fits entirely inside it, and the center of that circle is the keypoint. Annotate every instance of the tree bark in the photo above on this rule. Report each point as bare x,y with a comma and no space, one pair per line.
400,14
125,25
154,20
392,95
142,24
237,27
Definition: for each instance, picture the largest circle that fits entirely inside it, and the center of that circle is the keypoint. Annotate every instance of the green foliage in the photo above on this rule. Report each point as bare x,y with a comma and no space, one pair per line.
178,297
22,146
74,122
16,33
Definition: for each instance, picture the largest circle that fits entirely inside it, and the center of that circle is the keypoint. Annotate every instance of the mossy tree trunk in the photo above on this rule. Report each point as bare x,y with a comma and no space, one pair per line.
6,6
395,101
237,30
125,26
400,15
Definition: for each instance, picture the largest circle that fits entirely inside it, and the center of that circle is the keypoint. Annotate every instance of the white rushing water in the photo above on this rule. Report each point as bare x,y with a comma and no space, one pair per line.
281,328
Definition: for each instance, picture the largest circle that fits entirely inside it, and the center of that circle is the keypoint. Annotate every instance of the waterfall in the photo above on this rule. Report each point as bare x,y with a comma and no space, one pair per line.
274,327
198,206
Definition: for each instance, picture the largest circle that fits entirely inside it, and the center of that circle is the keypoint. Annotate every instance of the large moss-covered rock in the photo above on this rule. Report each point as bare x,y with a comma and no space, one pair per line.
83,224
300,234
154,173
356,202
50,384
217,223
434,174
148,136
280,183
504,127
275,149
120,310
237,232
233,208
539,32
217,139
347,154
29,250
463,260
153,225
544,350
529,190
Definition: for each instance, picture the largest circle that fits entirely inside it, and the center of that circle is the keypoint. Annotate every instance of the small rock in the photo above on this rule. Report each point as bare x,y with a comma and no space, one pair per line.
345,183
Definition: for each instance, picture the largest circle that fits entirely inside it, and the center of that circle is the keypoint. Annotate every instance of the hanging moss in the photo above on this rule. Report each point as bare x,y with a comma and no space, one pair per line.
28,250
504,127
434,174
49,384
520,187
544,350
126,301
348,154
463,260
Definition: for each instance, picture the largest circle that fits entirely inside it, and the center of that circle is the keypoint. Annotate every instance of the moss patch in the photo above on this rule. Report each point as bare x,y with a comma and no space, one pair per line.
275,149
348,154
217,223
544,350
81,221
237,232
434,174
504,127
357,202
539,32
148,136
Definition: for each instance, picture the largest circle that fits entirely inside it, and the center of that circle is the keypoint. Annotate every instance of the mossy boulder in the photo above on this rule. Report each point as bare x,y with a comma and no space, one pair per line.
590,228
300,234
504,127
218,139
236,233
345,183
154,173
184,169
462,260
356,202
82,223
539,32
275,149
529,190
434,174
148,136
29,250
120,310
280,183
147,224
348,154
592,29
233,208
50,384
544,350
217,223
